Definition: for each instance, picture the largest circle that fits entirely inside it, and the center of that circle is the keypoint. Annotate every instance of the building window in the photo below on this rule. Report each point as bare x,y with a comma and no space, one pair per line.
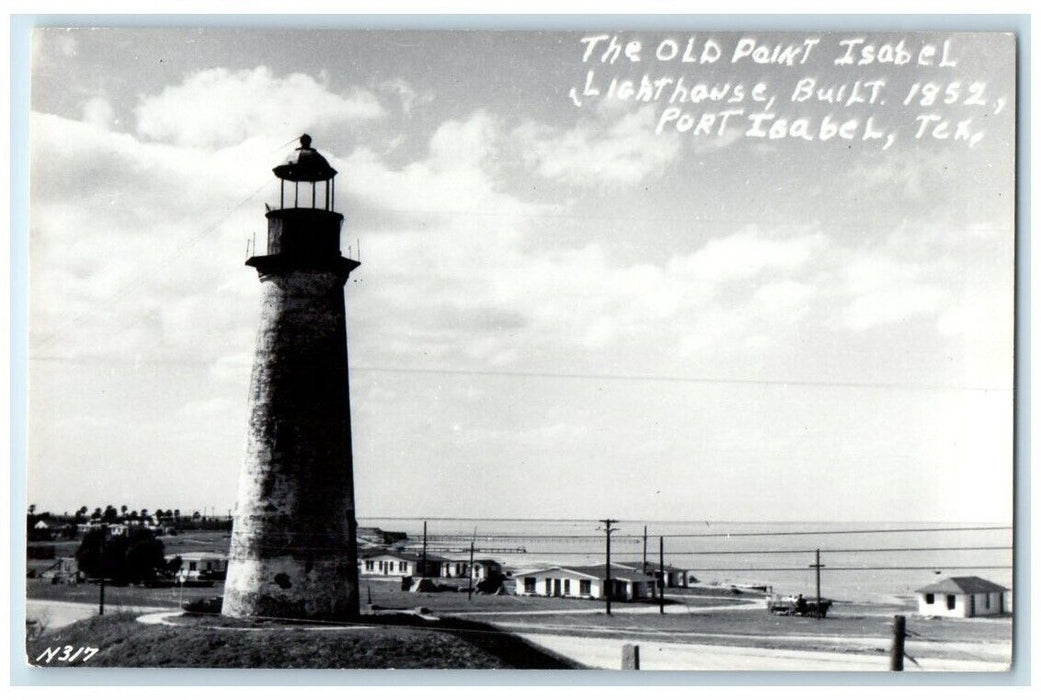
585,588
567,586
529,584
986,601
930,598
368,566
950,602
192,566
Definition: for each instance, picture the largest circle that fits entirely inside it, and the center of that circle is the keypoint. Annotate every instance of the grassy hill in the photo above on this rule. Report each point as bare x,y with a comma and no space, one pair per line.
454,644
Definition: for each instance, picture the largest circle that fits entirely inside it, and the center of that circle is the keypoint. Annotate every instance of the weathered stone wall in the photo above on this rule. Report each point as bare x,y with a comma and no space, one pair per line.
293,548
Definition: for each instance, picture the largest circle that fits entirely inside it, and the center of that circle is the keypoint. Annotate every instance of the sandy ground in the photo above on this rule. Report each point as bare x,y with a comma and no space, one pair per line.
657,656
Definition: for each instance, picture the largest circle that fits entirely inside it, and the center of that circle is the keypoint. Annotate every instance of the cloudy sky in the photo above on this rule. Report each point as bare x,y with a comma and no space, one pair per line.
561,312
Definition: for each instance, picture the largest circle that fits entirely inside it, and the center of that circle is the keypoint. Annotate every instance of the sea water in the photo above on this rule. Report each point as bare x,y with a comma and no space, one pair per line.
862,561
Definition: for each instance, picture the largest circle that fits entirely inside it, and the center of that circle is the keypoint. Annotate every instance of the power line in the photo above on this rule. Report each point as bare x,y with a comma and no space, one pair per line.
844,532
673,378
862,568
850,551
549,375
865,550
788,533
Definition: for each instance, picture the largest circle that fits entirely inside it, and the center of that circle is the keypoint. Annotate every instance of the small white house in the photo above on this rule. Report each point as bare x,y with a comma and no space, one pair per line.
483,568
201,566
455,568
397,564
962,596
584,582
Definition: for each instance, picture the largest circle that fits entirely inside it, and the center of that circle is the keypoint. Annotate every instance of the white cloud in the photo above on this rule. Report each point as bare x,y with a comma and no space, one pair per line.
406,93
883,290
221,108
98,112
748,253
622,152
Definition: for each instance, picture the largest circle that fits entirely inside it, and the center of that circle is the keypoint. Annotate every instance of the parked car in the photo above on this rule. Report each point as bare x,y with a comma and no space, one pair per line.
797,605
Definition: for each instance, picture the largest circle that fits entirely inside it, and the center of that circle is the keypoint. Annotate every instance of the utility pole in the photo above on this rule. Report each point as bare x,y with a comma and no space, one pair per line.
607,566
101,597
896,654
661,567
643,562
818,566
424,572
470,590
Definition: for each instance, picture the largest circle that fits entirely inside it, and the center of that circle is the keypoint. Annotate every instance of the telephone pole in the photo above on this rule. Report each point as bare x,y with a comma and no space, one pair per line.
643,562
818,566
608,522
101,594
661,567
470,588
424,572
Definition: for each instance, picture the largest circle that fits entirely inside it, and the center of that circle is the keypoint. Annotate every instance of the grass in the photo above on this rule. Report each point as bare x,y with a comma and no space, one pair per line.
124,642
118,596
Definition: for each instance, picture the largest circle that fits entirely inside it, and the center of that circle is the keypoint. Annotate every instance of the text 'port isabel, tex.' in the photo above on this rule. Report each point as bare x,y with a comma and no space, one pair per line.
293,546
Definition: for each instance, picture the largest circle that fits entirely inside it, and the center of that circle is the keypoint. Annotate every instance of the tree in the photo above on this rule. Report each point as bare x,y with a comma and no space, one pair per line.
96,515
110,515
123,511
133,558
144,559
32,508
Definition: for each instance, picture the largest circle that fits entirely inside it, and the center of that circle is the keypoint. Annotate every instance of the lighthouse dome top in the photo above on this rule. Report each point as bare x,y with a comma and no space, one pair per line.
305,164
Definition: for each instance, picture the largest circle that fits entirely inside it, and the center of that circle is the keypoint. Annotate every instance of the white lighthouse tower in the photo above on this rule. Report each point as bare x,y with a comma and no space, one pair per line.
293,546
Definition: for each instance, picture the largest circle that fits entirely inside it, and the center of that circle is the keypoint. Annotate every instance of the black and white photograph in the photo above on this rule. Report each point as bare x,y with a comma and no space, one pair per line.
658,347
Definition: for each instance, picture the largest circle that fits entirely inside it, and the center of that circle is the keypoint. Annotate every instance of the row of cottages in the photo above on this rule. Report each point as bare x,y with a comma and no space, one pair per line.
585,582
384,563
388,563
963,596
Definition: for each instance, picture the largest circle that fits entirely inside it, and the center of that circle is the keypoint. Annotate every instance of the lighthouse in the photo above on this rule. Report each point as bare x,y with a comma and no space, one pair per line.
293,544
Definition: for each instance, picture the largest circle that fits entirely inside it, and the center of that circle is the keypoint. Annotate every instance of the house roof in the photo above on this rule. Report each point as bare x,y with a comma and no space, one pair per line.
192,556
963,584
651,566
592,572
405,556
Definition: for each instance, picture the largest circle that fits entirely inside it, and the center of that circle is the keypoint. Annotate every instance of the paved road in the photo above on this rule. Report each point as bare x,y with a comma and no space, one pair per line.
659,656
55,614
640,610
